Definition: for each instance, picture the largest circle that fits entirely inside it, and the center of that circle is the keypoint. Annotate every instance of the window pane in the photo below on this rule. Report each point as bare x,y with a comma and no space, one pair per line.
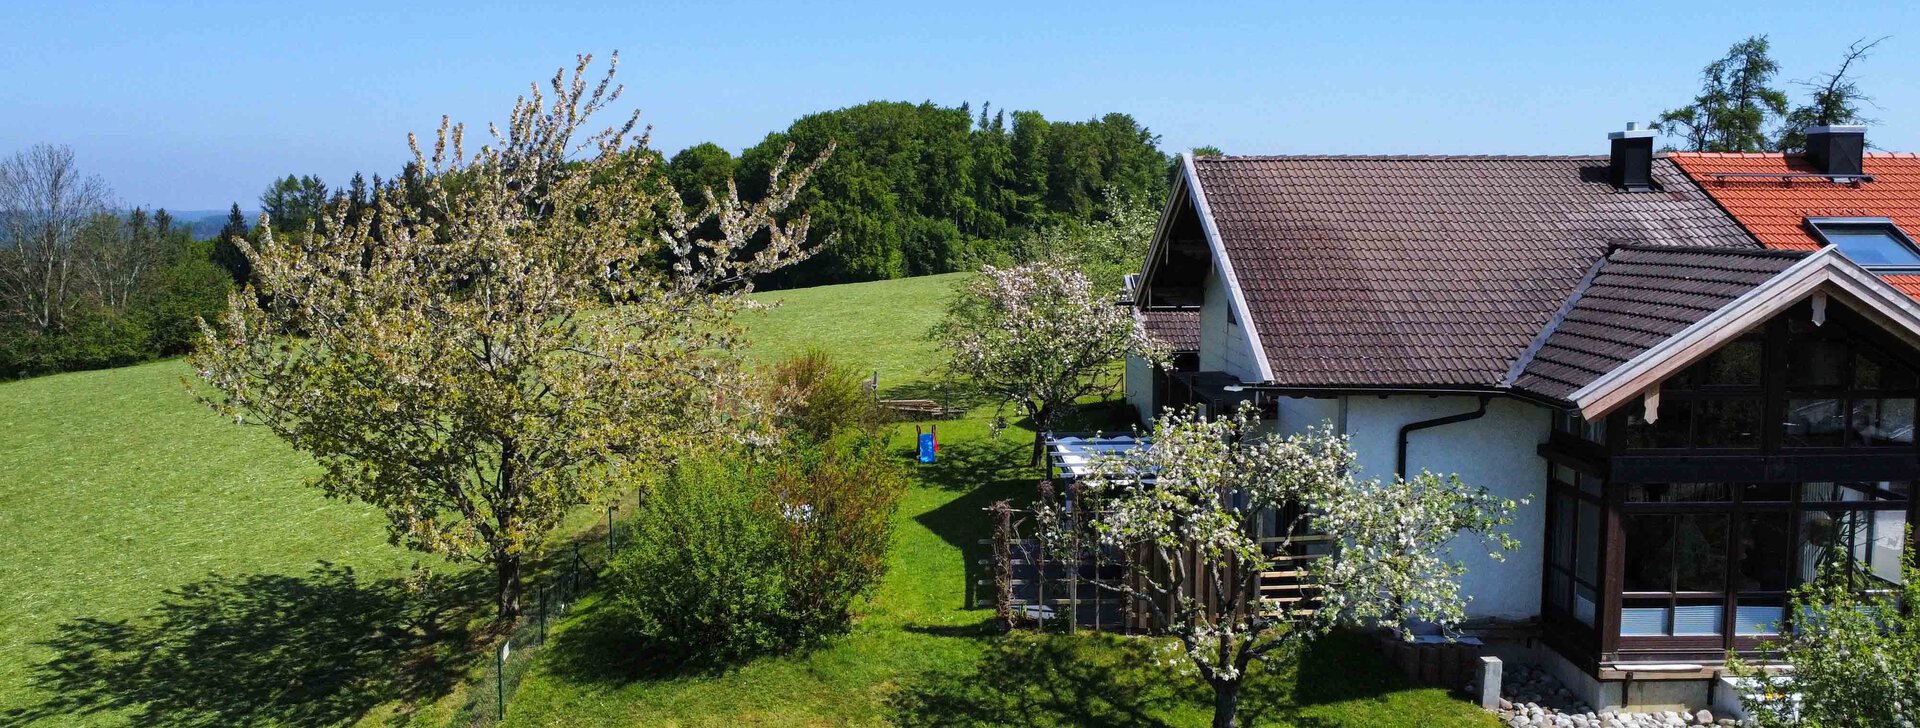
1814,423
1644,618
1816,362
1735,421
1871,371
1767,552
1737,363
1860,492
1698,617
1870,246
1557,587
1758,617
1591,484
1766,492
1595,430
1884,544
1585,603
1882,422
1586,555
1648,552
1679,493
1821,543
1700,552
1561,546
1670,431
1564,474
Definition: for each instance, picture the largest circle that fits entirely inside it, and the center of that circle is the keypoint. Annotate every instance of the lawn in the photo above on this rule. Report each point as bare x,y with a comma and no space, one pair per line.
166,568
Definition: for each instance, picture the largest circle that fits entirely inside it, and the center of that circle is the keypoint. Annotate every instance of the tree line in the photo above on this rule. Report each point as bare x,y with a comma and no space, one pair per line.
913,189
85,284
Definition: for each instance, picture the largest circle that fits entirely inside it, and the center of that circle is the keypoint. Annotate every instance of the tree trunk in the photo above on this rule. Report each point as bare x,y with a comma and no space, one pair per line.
1226,702
507,568
1041,417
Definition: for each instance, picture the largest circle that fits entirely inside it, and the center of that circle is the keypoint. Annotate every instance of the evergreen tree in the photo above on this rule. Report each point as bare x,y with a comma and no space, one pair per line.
1836,99
226,252
1735,104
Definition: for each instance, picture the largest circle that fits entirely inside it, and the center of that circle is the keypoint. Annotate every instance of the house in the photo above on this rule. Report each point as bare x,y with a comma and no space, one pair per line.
1697,416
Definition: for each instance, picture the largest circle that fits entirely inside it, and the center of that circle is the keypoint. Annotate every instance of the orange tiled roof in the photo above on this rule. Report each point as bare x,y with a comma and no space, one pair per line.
1908,284
1773,210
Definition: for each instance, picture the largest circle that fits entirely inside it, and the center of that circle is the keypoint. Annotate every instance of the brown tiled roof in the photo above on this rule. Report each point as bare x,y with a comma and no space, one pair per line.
1634,298
1428,271
1178,329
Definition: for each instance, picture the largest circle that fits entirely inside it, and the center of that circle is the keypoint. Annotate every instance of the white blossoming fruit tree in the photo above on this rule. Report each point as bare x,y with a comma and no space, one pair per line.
1039,336
1195,516
511,339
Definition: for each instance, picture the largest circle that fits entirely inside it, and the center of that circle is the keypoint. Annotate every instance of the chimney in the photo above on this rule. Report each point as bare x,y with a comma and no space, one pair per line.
1630,166
1837,150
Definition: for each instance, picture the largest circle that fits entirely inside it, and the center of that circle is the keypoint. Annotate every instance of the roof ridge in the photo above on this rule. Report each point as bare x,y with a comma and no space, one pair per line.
1526,357
1401,157
1755,252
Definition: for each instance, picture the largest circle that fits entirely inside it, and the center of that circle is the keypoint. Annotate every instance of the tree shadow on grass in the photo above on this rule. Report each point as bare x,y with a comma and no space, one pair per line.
1046,680
312,650
950,393
1037,679
598,648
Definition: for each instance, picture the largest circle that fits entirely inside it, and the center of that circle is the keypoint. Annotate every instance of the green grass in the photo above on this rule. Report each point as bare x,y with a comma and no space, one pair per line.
116,486
162,568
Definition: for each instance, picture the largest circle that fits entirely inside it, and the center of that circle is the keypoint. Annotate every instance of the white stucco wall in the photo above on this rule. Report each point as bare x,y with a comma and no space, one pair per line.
1225,345
1496,452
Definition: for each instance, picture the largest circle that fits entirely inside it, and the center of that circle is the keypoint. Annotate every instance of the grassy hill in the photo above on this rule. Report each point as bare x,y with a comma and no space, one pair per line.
165,569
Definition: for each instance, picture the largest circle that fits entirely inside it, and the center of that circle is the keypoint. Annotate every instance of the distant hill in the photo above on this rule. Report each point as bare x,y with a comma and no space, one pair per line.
207,223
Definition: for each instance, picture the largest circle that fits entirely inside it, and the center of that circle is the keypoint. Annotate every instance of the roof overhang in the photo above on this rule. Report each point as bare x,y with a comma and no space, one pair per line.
1827,272
1187,182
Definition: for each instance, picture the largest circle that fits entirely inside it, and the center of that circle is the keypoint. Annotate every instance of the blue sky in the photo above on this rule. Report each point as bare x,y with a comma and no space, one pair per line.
195,106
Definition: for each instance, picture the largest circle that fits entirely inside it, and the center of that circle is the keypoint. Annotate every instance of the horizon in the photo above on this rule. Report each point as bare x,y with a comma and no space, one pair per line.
255,95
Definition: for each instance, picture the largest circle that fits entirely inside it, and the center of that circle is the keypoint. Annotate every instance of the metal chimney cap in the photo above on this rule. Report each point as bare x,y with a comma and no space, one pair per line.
1633,132
1838,129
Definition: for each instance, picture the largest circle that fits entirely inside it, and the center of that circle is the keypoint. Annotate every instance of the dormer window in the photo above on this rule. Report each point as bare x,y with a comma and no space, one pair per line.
1873,242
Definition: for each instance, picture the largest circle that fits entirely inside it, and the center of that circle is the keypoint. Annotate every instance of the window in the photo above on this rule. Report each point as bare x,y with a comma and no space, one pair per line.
1574,547
1714,404
1716,560
1873,242
1844,392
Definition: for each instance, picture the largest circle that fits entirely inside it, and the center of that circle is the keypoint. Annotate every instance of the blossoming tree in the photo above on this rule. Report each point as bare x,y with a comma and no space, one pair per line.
1189,513
1039,336
506,344
1853,650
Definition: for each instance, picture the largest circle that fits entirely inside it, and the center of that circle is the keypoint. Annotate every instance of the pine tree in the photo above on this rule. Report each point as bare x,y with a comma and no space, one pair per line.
1836,99
226,252
1735,103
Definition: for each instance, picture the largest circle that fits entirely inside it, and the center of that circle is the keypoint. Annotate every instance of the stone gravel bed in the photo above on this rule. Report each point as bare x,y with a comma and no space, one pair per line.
1533,698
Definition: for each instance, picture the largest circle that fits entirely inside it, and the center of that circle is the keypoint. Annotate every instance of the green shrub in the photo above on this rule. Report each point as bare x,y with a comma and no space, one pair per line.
838,504
1854,655
91,340
730,560
191,288
817,397
700,579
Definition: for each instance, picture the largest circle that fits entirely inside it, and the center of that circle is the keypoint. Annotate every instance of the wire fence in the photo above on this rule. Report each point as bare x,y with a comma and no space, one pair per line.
549,597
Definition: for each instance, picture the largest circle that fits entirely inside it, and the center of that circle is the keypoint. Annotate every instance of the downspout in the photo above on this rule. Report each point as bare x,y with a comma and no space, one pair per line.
1400,463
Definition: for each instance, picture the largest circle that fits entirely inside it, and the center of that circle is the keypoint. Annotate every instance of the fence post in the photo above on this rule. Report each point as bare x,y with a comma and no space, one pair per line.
610,540
1003,563
543,614
1073,556
500,681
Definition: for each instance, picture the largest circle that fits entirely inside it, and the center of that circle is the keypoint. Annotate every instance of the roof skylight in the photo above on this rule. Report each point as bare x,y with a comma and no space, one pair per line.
1873,242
